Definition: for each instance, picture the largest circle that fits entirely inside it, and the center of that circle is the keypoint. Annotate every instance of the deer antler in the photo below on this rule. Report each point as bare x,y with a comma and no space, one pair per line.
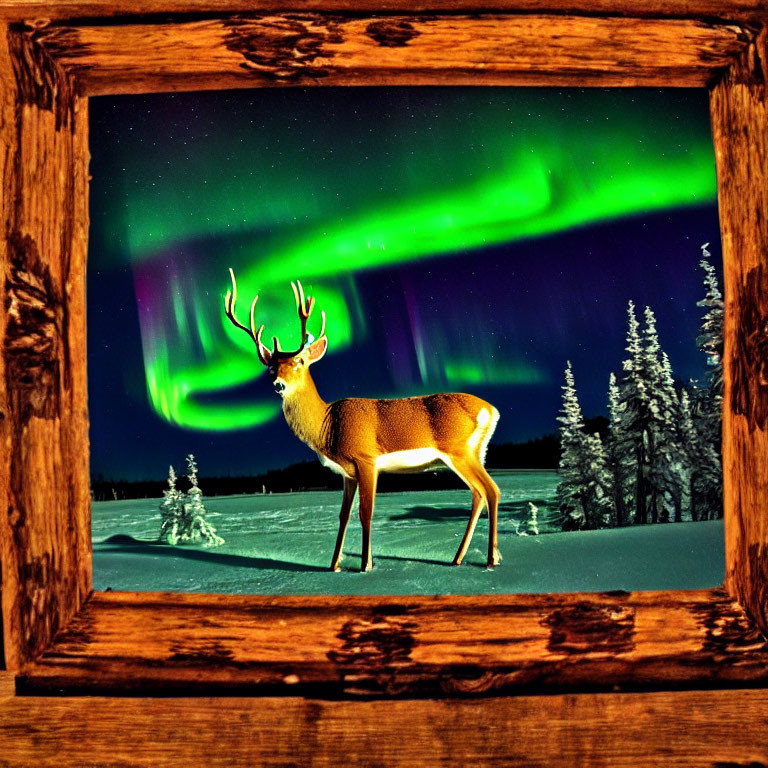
229,310
305,310
304,307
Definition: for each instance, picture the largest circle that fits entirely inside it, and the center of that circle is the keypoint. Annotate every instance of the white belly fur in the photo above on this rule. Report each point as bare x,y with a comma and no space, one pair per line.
332,465
413,460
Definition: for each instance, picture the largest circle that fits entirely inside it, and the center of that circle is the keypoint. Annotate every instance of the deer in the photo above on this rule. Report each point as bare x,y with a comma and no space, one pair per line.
362,437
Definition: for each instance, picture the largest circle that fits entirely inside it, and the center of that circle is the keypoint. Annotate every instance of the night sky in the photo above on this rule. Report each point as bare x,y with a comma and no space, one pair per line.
467,239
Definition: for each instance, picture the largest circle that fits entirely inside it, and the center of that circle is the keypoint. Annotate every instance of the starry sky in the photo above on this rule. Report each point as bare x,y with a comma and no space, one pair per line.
466,239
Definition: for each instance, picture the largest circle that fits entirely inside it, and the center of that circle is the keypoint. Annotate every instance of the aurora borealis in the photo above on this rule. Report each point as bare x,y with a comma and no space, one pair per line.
457,238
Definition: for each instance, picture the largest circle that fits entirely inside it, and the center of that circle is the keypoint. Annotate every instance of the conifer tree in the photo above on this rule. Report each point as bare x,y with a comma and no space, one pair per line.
708,399
649,424
673,460
199,526
659,406
601,512
171,510
620,458
636,415
584,480
710,340
703,460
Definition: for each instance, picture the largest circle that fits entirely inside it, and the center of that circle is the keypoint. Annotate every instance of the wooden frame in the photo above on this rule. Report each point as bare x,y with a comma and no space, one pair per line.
59,638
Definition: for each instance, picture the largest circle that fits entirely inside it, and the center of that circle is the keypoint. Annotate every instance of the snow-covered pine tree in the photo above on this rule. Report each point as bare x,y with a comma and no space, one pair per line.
195,513
707,487
662,449
708,400
635,415
710,340
649,424
601,513
619,455
704,461
673,458
171,510
582,492
571,492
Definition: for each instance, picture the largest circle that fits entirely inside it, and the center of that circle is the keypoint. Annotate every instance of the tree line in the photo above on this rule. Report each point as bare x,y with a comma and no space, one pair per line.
660,459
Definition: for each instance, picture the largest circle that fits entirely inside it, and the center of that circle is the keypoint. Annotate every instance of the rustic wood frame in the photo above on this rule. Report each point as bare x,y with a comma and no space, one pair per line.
59,638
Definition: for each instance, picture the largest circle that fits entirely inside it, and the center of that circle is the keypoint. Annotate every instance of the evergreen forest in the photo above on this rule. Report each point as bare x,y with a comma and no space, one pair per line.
660,459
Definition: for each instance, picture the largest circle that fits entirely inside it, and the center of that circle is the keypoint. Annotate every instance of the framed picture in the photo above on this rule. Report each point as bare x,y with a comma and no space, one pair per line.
584,650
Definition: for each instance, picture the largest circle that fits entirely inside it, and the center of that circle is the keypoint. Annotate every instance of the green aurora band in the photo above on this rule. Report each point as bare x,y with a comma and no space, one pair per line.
460,170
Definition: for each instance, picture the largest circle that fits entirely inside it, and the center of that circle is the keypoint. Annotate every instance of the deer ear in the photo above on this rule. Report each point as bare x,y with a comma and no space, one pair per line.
317,349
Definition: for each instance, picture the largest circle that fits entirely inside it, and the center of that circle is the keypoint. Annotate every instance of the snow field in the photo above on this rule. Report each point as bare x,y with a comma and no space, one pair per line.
282,544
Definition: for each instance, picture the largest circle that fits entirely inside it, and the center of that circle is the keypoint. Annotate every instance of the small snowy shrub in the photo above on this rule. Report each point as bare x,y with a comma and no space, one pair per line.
184,515
533,521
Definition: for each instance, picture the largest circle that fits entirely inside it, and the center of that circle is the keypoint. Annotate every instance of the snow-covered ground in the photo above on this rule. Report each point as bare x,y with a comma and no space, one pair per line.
282,544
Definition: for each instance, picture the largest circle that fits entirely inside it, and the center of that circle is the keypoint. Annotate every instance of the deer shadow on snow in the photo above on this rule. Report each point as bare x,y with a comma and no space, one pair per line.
518,511
125,544
429,513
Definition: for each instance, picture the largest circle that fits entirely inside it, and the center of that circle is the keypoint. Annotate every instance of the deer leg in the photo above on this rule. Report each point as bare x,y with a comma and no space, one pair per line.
477,507
350,487
492,494
366,476
467,472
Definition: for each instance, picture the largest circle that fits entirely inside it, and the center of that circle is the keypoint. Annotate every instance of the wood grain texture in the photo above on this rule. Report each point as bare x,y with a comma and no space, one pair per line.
705,729
356,648
331,49
44,487
414,646
739,106
46,10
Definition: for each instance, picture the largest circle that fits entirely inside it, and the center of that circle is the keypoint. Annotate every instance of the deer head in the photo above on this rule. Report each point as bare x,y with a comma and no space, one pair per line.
288,370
